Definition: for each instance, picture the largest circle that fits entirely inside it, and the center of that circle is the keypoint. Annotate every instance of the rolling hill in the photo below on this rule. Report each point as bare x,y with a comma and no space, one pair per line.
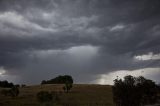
80,95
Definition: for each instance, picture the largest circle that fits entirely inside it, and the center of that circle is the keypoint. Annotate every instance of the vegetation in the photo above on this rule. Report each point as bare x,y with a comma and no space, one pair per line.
131,91
13,92
9,89
6,84
80,95
17,85
59,80
48,98
67,87
134,91
44,96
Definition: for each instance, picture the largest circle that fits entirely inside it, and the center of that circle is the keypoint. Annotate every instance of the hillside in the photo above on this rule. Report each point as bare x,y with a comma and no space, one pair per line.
80,95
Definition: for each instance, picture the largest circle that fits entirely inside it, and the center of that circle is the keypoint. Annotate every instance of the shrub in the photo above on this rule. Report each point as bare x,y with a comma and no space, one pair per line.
14,91
55,96
44,96
48,98
67,87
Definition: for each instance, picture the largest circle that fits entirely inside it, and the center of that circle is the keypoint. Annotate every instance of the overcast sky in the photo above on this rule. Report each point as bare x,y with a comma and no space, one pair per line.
92,40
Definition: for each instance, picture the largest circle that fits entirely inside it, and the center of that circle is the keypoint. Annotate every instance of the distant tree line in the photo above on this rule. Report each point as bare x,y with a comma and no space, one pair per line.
6,84
134,91
59,80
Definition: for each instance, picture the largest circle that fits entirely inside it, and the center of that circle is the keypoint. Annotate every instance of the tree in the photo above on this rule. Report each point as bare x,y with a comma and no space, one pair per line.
67,87
6,84
134,91
59,80
148,89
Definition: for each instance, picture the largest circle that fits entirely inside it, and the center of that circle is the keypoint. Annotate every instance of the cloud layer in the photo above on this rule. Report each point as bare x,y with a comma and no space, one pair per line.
84,38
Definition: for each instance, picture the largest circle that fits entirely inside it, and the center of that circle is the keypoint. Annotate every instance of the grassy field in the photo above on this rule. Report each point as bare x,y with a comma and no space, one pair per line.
80,95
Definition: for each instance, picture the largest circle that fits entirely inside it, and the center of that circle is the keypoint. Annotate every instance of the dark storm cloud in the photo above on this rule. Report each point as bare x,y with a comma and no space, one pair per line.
23,5
52,37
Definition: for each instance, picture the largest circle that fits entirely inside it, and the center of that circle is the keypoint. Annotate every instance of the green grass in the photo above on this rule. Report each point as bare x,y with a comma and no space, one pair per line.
80,95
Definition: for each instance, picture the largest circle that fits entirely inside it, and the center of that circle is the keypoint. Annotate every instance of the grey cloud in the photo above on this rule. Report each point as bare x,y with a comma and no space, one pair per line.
59,25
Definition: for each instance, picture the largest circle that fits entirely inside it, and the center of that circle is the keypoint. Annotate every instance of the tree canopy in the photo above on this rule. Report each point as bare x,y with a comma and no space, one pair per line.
134,91
6,84
59,80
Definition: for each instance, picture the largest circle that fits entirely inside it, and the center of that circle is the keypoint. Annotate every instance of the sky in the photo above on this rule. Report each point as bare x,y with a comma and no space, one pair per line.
94,41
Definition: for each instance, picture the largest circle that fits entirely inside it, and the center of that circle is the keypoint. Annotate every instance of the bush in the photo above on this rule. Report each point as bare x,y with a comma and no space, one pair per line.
44,96
14,91
48,98
55,96
67,87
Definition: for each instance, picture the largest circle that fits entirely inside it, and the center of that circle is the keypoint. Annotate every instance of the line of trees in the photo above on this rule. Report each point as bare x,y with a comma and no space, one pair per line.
6,84
134,91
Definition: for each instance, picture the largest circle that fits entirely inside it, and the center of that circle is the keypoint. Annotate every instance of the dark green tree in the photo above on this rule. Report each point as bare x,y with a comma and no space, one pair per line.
134,91
59,80
6,84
